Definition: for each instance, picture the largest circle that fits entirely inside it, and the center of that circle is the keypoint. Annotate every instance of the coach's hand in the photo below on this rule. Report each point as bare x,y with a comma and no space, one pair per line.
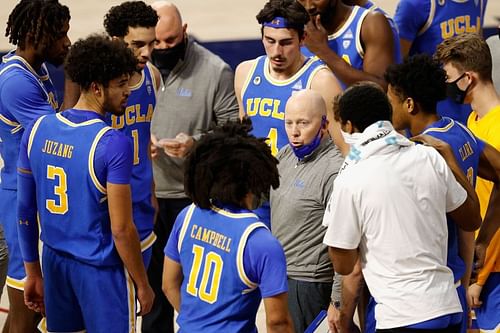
178,147
145,296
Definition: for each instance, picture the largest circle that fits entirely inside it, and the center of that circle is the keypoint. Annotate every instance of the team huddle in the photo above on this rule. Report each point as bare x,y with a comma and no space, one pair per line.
354,166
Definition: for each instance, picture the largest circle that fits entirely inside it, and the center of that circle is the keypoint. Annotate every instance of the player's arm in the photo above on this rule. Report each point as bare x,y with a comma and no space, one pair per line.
27,227
71,94
125,236
22,96
172,269
344,259
376,36
350,291
127,242
240,77
265,264
410,17
277,316
328,86
172,281
466,252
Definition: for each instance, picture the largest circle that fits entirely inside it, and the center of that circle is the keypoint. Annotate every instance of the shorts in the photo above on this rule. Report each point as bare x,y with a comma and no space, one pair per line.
79,296
8,217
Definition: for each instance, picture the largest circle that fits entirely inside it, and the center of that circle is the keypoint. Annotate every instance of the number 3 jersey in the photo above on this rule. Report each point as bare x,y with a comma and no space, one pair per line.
71,156
229,261
264,98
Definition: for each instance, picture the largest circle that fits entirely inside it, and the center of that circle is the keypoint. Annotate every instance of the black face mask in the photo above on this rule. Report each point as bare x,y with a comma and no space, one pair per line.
166,59
454,92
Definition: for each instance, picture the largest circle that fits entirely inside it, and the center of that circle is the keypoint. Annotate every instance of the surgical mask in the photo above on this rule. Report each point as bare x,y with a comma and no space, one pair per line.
351,138
454,92
166,59
307,149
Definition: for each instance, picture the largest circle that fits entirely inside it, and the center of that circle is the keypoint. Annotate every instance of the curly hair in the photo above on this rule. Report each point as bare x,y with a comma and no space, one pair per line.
227,164
98,59
291,10
363,104
129,14
37,22
418,77
467,52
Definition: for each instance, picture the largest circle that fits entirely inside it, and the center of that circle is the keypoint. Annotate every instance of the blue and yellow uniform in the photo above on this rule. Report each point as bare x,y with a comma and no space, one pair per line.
229,261
65,163
136,124
426,23
25,95
346,41
264,98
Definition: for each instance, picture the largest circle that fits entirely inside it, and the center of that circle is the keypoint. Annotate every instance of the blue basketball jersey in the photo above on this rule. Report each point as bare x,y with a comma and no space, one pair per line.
346,41
398,58
428,22
216,293
72,202
264,98
25,95
467,150
136,124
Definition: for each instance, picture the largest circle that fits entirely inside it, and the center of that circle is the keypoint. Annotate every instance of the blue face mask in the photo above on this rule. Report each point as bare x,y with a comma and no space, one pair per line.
305,150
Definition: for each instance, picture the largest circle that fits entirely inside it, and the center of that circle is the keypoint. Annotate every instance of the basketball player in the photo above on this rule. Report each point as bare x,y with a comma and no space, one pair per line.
39,30
134,22
74,170
356,43
424,24
263,85
220,259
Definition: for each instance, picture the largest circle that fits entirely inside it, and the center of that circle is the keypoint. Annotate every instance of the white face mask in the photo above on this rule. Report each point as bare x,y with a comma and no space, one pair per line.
351,138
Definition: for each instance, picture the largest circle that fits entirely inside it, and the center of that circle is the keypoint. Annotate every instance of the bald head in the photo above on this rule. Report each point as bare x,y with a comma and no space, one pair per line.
305,117
169,29
306,101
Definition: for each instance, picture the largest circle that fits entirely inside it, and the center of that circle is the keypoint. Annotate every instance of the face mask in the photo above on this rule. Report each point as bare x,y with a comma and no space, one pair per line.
454,92
351,138
166,59
305,150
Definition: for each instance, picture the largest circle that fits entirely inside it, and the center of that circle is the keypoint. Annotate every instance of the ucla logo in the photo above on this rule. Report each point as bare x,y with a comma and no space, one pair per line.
256,80
458,26
346,43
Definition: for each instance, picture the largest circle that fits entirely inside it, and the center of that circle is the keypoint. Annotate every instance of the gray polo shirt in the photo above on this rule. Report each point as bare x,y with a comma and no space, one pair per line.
198,93
297,208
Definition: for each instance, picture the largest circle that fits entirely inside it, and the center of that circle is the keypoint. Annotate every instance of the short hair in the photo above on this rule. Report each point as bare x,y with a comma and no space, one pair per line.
467,52
37,22
419,77
363,104
99,59
129,14
227,164
295,14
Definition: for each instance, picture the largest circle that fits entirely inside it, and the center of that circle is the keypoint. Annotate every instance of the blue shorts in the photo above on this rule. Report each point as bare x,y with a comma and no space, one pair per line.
488,315
81,297
8,217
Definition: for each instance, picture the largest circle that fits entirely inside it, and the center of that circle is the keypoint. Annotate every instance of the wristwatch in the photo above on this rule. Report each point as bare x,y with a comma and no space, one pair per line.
335,304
